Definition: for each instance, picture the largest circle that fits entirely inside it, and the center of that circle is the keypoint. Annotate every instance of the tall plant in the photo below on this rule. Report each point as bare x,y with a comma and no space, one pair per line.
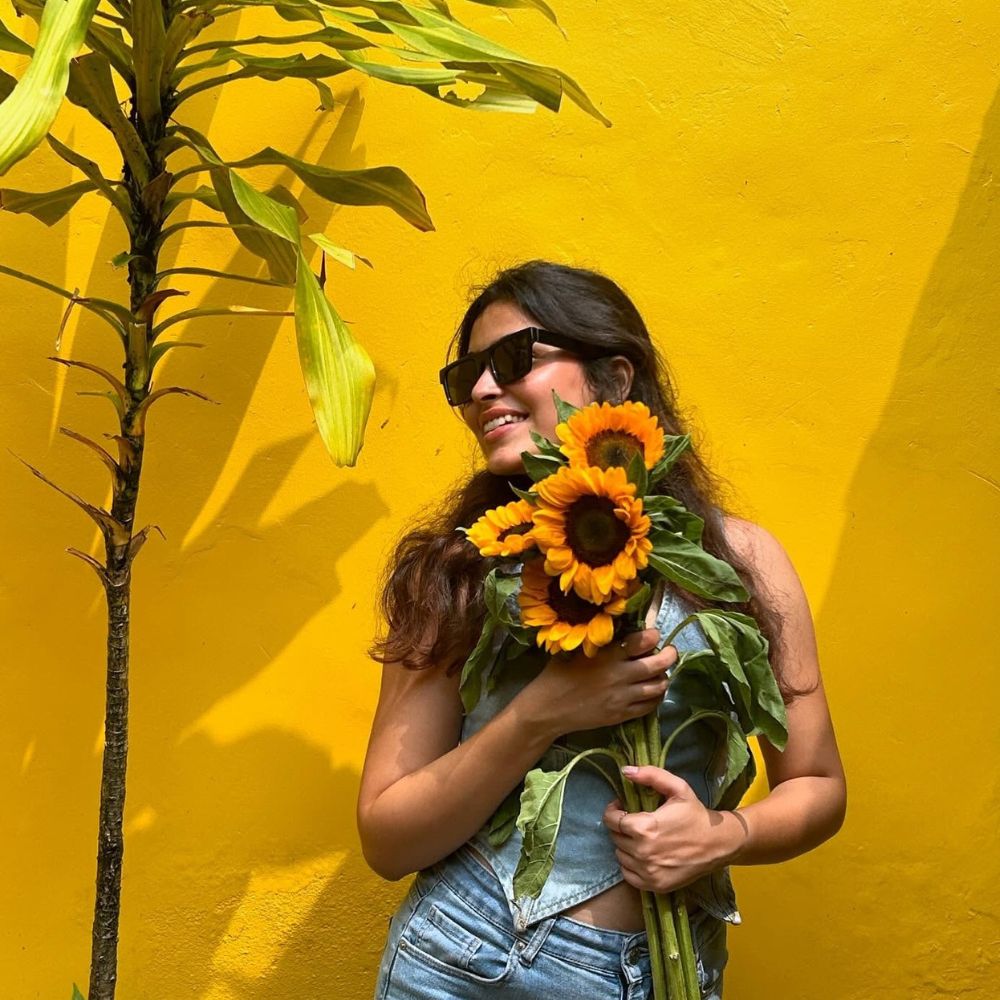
152,56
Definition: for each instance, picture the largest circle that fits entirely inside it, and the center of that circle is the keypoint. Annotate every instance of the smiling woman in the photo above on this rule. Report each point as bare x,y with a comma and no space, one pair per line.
436,777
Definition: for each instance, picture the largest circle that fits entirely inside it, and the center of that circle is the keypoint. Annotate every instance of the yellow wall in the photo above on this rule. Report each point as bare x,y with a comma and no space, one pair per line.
802,199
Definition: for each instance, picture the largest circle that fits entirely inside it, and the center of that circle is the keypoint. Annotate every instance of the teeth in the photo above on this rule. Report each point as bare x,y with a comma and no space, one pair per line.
507,418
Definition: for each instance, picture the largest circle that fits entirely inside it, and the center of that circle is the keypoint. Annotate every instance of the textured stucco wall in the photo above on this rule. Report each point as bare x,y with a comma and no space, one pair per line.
801,198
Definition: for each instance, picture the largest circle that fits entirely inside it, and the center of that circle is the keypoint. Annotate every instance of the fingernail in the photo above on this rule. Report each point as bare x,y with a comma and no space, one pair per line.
629,770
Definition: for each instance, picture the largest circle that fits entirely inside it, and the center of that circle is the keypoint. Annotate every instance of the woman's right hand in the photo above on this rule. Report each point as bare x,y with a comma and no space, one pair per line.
619,683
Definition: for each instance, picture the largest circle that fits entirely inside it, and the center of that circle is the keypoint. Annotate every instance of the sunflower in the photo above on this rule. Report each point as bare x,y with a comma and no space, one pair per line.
504,531
590,526
606,435
565,621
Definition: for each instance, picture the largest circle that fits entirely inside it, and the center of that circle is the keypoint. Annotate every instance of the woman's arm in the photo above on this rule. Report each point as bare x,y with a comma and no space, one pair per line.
683,840
423,793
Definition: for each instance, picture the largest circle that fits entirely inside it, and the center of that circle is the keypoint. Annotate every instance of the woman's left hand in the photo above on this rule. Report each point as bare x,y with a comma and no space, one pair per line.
672,846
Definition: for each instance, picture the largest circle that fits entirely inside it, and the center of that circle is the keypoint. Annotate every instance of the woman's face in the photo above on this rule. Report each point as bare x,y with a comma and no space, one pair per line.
529,398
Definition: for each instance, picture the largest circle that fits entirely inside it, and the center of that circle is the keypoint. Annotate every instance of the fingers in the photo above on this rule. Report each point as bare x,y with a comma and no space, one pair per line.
637,643
645,668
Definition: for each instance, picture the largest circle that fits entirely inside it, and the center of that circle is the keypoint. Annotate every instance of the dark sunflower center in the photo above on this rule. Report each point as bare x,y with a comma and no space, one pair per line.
518,529
613,447
593,532
571,608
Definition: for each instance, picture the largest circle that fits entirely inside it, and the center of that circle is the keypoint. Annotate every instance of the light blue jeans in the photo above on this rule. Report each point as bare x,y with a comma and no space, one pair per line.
453,937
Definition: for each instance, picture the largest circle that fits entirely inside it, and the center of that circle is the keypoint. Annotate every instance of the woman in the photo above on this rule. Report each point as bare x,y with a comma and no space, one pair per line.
434,778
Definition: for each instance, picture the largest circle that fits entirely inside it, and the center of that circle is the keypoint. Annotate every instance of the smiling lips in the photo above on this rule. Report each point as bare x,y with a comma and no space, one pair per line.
500,428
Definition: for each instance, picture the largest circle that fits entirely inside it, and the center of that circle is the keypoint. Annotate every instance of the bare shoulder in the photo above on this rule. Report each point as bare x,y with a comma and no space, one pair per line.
772,567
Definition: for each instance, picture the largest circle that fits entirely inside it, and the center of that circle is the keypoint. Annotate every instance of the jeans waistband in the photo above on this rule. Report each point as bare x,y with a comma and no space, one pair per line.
579,943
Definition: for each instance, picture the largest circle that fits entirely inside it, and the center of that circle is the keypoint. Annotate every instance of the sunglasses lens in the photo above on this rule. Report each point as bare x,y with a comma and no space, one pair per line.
512,358
461,379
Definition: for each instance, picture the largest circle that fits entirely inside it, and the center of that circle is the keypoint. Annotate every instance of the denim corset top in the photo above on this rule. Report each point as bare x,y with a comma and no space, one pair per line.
585,863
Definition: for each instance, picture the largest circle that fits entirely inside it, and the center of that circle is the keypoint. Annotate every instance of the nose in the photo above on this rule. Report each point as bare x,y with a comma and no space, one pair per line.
485,387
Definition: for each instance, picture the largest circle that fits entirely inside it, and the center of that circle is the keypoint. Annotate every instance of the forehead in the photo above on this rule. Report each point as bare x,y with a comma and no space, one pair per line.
495,321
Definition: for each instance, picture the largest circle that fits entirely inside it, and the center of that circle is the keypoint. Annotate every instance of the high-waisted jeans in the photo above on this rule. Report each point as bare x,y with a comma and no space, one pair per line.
453,937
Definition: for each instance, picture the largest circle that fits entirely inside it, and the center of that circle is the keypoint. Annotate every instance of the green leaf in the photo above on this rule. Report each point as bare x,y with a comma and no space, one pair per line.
673,447
269,213
387,186
91,87
339,374
92,172
11,43
29,110
538,5
46,206
504,821
639,600
694,569
666,512
158,350
538,821
77,995
636,473
339,254
479,661
149,38
497,589
547,447
540,467
564,410
532,498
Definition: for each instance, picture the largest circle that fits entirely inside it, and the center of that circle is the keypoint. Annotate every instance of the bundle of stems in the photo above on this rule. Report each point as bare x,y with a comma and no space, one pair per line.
668,929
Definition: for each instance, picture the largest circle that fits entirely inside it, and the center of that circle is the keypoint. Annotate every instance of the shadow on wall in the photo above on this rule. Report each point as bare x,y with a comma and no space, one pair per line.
908,622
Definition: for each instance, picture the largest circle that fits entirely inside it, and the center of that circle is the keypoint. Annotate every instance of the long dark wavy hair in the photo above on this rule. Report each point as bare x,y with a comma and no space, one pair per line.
432,586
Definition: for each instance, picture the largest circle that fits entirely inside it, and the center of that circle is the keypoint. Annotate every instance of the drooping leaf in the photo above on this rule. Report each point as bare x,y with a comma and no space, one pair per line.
696,570
503,822
92,172
345,257
29,110
479,661
46,206
388,186
91,87
538,820
10,42
339,374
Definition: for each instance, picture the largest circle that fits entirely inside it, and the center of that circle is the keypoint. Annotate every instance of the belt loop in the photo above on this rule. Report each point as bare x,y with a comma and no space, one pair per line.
527,950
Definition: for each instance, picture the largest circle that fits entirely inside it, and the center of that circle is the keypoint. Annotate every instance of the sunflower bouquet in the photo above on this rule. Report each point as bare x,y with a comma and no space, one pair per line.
595,543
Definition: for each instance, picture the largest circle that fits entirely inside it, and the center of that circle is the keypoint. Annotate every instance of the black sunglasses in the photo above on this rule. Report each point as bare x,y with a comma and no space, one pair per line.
509,359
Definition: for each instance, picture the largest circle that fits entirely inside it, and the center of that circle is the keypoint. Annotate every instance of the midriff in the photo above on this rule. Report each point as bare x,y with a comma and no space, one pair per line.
618,908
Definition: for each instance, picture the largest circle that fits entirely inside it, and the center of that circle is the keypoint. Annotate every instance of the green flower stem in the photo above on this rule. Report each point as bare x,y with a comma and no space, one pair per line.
678,901
654,934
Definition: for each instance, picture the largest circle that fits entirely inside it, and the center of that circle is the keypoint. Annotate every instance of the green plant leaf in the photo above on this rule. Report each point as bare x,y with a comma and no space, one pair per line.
29,110
91,87
11,43
564,410
46,206
497,589
540,467
538,820
148,47
470,685
388,186
339,254
158,350
696,570
339,374
538,5
636,473
92,172
666,512
504,821
77,995
674,446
